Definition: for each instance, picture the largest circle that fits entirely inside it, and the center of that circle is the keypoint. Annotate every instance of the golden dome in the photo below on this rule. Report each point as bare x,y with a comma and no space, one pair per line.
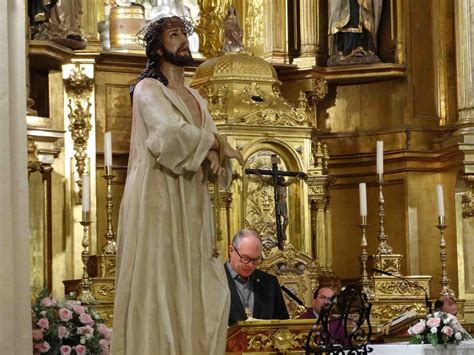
235,67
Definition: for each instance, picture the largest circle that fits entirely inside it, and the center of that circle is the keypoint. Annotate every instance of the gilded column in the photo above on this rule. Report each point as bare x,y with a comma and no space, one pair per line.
313,33
319,182
464,20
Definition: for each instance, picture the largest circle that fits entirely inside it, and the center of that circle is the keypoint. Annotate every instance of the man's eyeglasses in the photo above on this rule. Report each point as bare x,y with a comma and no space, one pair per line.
325,298
247,259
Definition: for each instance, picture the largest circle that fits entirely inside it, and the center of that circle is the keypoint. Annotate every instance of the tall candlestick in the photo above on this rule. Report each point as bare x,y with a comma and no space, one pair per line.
363,199
85,193
439,193
379,160
108,148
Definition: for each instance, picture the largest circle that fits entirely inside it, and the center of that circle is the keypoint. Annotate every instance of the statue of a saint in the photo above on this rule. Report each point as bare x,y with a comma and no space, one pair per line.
353,26
232,32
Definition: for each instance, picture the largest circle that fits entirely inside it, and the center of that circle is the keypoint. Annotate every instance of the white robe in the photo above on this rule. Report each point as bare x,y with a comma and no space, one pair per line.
171,296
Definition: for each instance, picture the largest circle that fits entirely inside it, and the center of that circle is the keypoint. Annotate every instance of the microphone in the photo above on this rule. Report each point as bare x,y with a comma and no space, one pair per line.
292,296
428,303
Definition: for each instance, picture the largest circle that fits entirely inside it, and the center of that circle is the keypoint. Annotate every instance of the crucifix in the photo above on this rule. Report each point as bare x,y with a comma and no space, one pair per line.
277,180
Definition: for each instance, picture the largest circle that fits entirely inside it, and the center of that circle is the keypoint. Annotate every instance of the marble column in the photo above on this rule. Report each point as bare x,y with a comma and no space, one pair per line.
15,328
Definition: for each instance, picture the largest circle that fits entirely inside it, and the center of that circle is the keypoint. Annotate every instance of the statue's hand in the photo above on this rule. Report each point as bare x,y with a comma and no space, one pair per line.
213,158
232,153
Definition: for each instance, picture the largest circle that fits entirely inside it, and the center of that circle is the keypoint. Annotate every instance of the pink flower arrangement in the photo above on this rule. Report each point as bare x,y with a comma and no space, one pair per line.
438,328
65,327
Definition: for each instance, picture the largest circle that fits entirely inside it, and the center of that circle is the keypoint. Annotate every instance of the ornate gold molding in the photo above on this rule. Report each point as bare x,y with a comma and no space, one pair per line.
282,341
79,89
384,311
468,197
34,164
210,29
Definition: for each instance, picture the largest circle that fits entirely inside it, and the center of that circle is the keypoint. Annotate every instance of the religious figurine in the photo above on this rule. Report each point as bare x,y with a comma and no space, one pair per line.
57,22
232,32
281,193
353,26
103,27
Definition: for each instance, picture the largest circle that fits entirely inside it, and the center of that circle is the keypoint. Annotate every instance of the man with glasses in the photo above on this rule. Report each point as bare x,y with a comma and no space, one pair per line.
321,298
254,293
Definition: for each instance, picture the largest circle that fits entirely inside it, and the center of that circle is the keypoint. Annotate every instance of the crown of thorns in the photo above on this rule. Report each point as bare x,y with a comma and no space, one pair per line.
148,33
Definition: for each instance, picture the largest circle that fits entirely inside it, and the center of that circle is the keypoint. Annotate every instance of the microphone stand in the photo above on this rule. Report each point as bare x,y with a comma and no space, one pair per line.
428,303
292,296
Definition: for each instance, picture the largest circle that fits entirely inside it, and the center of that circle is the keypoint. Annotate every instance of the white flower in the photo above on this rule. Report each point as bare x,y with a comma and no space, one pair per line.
434,330
458,336
83,340
43,313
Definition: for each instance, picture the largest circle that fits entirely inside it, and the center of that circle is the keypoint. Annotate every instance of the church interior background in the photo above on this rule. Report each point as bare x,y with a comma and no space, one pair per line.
278,96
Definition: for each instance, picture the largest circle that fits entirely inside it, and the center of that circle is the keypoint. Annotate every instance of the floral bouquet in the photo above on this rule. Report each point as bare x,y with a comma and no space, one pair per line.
66,327
438,328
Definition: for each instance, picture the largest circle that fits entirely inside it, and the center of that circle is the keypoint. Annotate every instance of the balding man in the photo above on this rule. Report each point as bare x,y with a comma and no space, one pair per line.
254,293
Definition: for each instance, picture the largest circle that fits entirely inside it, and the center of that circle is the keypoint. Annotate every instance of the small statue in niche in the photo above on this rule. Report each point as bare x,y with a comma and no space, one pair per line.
353,26
51,21
232,32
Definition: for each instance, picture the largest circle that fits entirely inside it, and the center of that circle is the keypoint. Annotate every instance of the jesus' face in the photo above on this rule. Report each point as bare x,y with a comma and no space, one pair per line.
176,46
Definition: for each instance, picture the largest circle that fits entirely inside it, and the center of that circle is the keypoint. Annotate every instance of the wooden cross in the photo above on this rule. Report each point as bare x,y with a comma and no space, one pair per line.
279,193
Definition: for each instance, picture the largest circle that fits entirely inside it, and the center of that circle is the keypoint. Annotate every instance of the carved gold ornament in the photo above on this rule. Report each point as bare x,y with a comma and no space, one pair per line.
79,89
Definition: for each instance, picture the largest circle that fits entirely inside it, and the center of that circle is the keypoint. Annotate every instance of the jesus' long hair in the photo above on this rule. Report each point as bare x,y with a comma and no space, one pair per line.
151,38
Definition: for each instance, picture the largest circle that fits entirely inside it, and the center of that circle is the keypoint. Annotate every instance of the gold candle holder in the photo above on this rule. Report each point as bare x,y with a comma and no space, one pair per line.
86,295
365,282
110,246
445,291
383,247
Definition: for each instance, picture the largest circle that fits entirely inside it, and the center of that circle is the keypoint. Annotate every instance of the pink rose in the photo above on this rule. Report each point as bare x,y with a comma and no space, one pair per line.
71,303
104,347
418,327
78,309
38,334
65,314
86,330
43,347
80,349
433,322
447,330
48,302
106,332
43,323
86,319
65,350
63,332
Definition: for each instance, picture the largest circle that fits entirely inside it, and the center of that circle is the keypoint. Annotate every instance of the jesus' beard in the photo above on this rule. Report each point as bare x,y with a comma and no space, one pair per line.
180,60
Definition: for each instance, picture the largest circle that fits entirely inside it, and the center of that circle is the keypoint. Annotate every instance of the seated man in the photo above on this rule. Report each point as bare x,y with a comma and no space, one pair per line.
254,293
321,297
446,304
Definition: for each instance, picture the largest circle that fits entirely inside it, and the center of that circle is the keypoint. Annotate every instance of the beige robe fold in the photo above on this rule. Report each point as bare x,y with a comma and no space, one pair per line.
171,294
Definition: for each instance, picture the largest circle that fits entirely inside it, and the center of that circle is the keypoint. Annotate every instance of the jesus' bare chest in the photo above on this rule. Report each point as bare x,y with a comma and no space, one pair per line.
192,105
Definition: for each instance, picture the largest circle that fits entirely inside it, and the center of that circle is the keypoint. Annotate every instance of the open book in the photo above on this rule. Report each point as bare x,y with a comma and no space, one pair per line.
399,323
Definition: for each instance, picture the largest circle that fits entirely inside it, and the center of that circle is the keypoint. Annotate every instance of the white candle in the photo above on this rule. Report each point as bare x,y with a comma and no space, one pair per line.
363,199
108,148
379,159
439,193
85,193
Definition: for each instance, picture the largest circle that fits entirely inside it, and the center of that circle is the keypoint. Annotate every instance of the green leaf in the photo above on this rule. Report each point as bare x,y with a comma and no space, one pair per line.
433,339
